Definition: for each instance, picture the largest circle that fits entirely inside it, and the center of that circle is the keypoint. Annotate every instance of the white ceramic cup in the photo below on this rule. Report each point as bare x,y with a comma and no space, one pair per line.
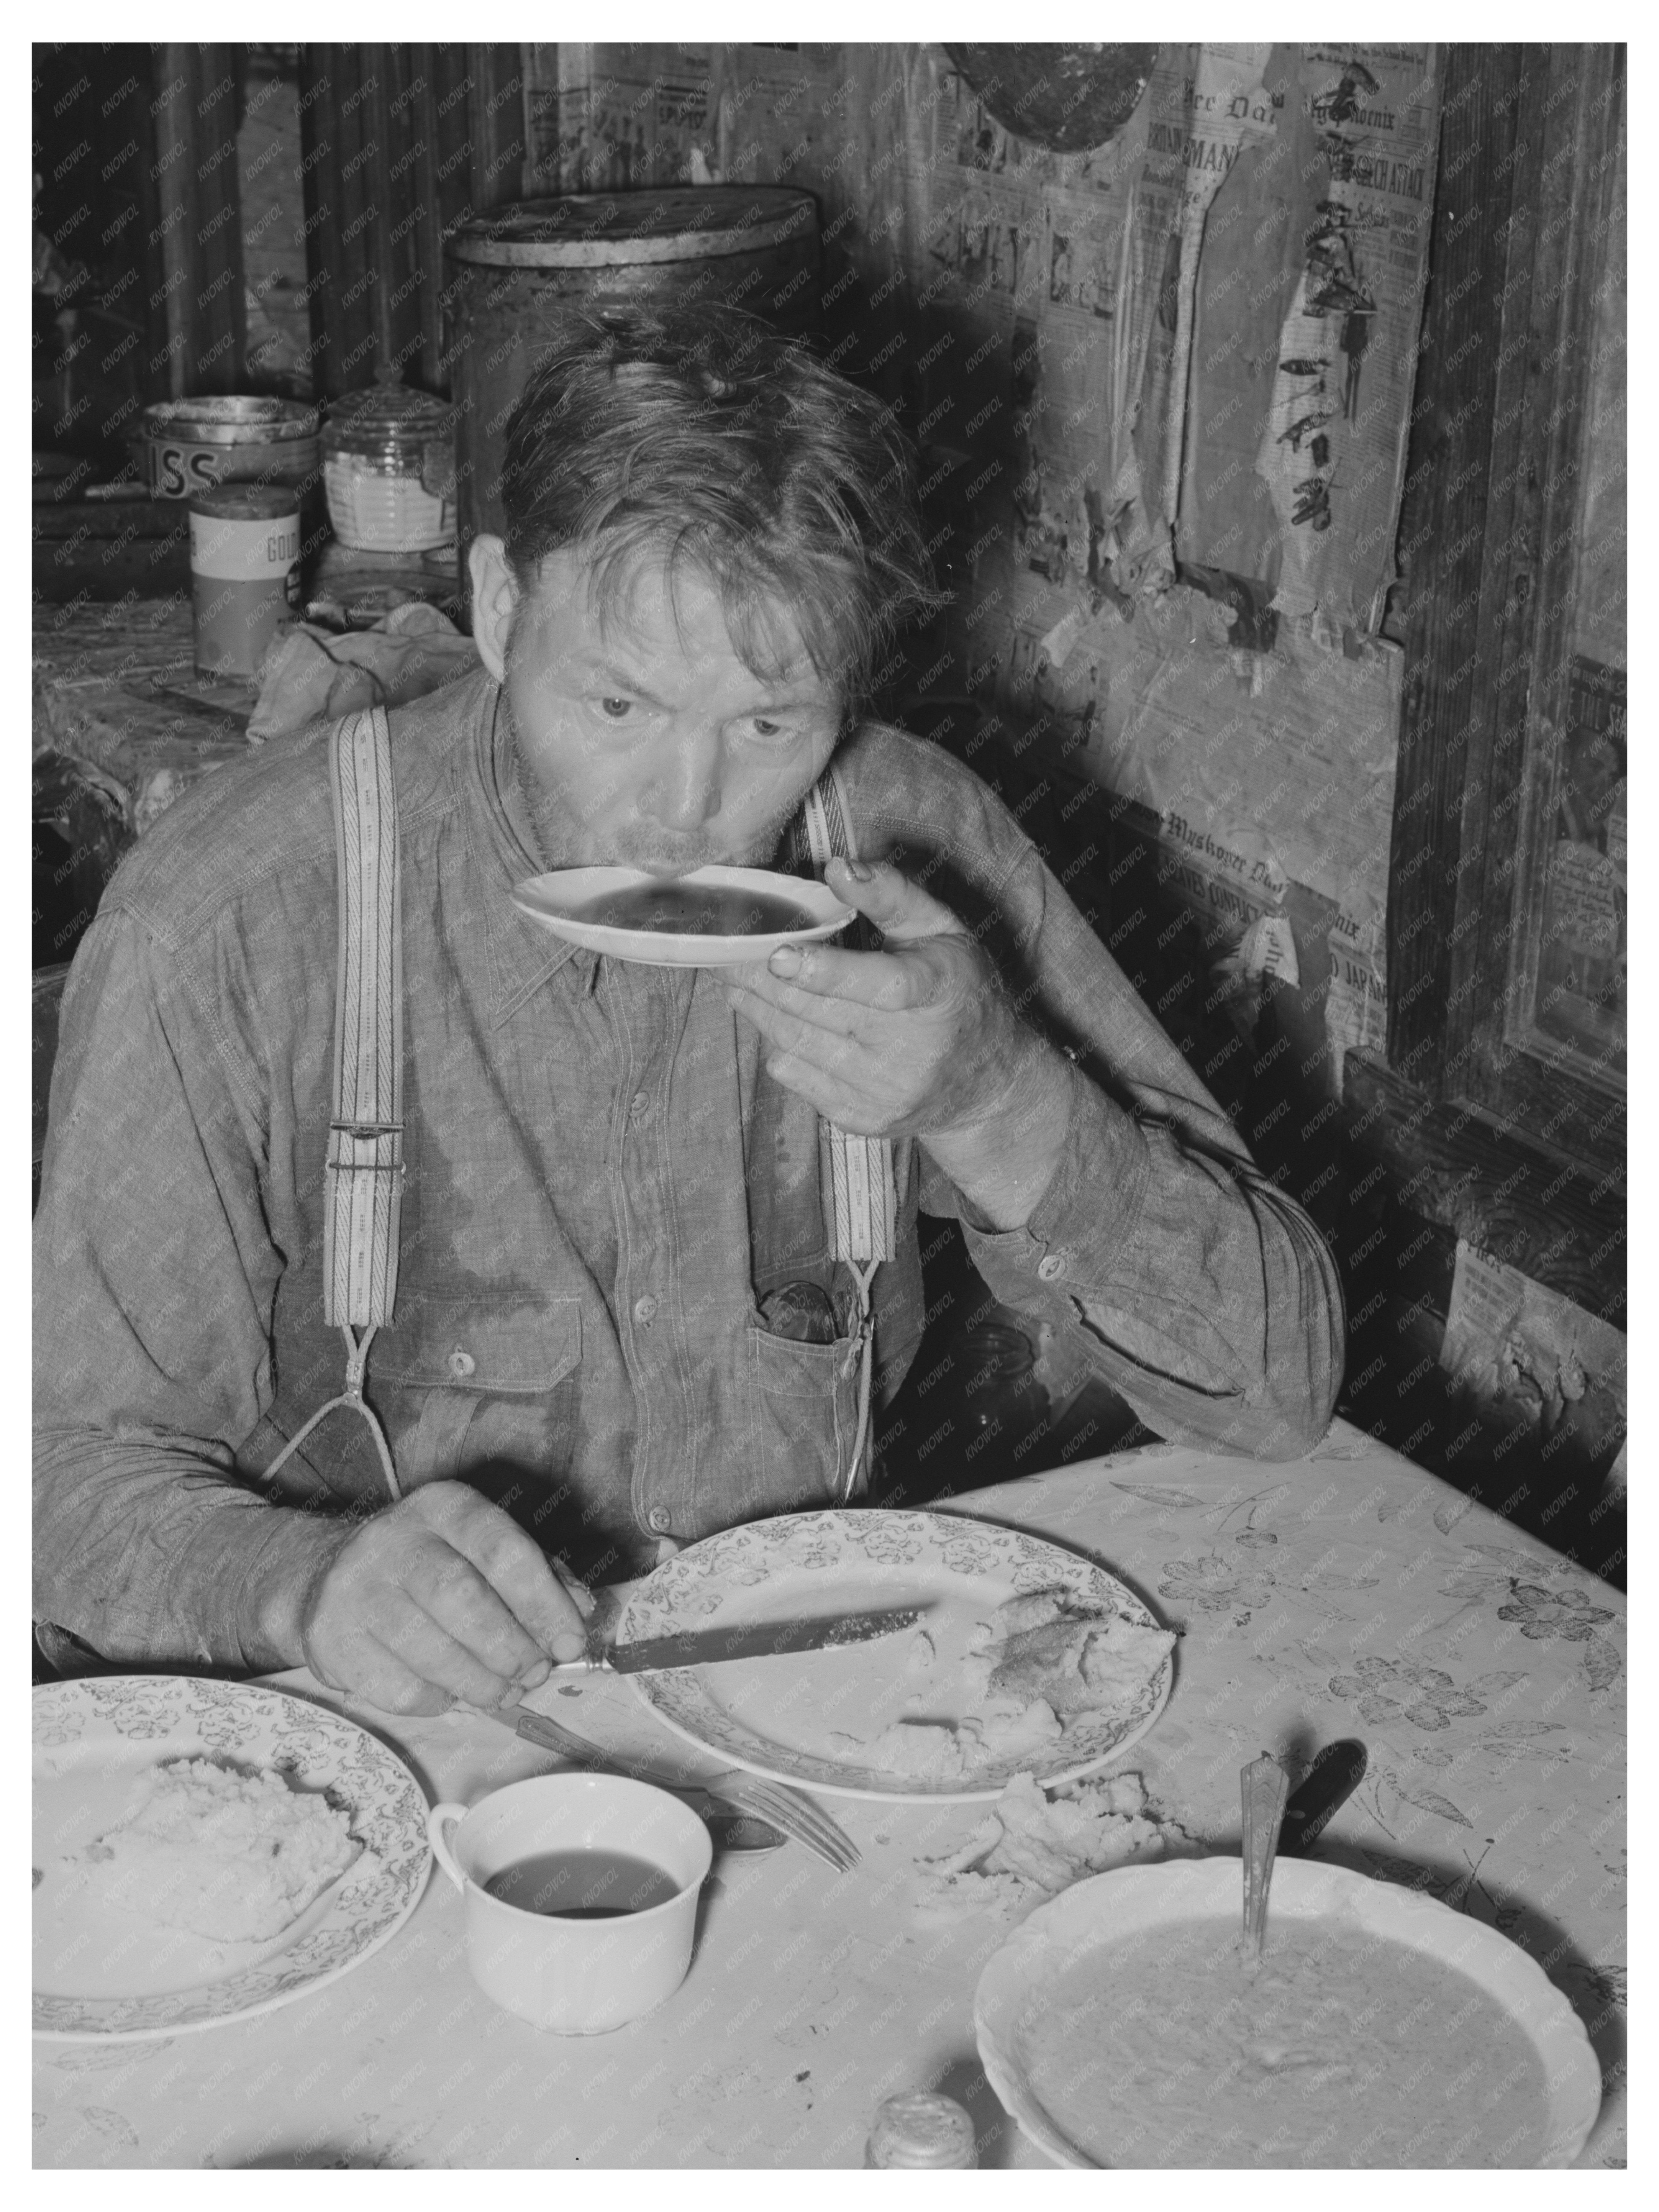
575,1976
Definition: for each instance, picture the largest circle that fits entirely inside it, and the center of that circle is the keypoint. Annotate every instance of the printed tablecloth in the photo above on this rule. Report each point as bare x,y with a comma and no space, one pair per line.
1347,1594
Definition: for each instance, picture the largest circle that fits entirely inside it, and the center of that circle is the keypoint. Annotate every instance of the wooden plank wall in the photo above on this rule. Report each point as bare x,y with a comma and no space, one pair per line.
96,155
195,106
399,143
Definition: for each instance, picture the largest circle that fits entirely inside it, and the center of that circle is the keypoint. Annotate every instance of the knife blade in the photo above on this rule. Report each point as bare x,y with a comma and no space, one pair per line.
706,1647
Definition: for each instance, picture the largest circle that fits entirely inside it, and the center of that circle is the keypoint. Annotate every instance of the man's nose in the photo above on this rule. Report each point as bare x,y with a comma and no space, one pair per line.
686,793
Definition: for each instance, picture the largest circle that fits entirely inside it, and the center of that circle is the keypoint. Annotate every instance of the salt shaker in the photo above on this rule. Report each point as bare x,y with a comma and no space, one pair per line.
920,2129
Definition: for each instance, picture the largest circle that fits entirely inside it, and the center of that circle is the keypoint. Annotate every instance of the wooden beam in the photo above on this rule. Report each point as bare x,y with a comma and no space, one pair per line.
1462,466
173,143
498,124
341,144
201,218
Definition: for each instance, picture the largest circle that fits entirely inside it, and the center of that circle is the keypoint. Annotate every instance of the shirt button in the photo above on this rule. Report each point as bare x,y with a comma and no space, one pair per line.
461,1364
638,1106
645,1311
1049,1266
658,1519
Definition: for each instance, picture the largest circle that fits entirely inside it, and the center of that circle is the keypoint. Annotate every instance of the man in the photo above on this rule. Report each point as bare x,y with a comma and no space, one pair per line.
619,1311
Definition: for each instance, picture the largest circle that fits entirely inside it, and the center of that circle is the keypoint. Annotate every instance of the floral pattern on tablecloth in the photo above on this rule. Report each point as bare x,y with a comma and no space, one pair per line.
1392,1689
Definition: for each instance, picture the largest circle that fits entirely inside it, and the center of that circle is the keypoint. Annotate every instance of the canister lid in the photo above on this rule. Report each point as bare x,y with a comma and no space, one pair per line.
598,229
244,502
232,419
398,431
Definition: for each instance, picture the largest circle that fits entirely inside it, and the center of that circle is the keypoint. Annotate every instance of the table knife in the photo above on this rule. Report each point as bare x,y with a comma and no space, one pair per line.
706,1647
1336,1773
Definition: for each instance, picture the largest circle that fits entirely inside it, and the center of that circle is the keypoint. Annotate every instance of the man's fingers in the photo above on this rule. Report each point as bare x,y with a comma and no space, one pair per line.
902,910
353,1660
395,1688
847,1109
451,1591
514,1565
574,1588
837,987
426,1646
834,1050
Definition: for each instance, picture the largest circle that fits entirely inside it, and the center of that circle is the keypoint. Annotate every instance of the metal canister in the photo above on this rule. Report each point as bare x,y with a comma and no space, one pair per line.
519,274
190,444
245,574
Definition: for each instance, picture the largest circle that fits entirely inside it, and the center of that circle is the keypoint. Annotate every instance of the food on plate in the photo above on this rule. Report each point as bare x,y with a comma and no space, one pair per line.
1046,1661
228,1854
681,909
1029,1846
1075,1657
1339,2047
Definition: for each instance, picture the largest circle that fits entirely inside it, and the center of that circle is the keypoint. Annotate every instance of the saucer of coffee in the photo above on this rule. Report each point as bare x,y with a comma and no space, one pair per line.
713,918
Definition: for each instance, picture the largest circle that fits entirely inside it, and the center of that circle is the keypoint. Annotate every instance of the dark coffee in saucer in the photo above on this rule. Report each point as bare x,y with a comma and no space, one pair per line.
682,910
578,1884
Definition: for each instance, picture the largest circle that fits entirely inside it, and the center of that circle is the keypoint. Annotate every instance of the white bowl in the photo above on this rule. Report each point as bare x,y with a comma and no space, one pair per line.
1132,1900
554,901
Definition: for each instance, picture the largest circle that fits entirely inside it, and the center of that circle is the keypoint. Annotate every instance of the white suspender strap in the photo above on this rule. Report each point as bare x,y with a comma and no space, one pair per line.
365,1163
366,1136
859,1170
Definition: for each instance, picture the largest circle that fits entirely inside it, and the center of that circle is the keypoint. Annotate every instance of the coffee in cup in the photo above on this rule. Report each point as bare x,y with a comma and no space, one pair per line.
581,1896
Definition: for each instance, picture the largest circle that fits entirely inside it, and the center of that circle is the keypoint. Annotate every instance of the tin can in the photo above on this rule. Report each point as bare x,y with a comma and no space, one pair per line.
190,444
523,274
245,574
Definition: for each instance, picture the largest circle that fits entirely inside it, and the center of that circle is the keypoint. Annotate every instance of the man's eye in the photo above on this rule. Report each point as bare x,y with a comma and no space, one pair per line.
616,710
762,728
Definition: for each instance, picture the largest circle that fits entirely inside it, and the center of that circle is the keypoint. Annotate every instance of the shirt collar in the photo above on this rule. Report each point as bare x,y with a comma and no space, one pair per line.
522,954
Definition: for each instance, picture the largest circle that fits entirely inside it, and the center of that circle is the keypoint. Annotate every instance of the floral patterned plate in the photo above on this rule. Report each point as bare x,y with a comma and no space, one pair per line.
94,1738
806,1719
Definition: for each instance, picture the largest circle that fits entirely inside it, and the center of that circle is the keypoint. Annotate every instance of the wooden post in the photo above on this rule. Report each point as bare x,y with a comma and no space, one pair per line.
200,218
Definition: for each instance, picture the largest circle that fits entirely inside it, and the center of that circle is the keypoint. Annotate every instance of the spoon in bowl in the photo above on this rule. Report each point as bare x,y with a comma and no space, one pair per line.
1263,1788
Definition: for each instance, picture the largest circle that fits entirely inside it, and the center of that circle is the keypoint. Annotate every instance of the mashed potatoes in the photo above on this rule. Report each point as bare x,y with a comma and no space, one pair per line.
234,1855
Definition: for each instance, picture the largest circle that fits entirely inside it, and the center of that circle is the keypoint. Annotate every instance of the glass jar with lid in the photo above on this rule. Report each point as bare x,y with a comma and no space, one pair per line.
389,470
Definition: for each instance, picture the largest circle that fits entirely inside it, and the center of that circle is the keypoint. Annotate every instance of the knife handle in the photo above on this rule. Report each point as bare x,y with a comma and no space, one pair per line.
1336,1773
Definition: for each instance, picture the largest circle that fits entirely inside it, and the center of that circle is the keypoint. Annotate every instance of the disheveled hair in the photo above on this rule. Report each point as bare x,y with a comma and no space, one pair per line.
701,438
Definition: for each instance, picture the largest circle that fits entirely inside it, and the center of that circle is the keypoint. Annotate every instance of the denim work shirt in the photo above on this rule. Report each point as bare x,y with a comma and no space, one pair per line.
603,1187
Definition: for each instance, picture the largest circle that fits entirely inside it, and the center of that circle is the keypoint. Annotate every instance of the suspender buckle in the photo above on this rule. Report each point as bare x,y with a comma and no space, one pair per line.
365,1132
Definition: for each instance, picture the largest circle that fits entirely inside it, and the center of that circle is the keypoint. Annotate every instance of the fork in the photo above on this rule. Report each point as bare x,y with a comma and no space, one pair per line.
790,1810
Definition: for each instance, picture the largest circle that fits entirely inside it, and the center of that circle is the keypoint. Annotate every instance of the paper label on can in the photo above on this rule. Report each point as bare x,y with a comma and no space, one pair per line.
244,550
176,470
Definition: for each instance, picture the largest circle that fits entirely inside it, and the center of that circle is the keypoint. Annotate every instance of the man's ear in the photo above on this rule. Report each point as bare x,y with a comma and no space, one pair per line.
495,596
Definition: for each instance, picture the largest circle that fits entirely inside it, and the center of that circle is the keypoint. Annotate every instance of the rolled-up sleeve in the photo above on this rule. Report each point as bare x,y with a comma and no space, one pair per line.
1164,1259
154,1273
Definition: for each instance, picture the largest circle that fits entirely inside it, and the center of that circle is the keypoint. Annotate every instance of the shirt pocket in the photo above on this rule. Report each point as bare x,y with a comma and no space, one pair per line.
804,1413
479,1377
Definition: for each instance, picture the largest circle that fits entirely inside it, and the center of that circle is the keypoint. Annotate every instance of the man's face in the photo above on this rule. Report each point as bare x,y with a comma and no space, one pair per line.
646,742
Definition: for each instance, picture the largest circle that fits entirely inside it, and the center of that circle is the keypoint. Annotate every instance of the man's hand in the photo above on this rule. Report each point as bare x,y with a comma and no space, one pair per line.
917,1040
439,1598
